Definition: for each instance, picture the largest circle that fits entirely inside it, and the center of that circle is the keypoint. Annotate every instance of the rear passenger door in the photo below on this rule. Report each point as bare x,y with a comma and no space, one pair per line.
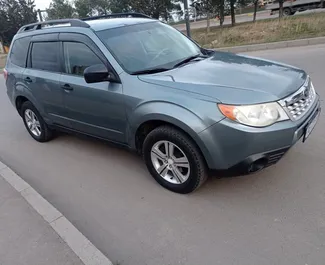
42,77
17,63
95,109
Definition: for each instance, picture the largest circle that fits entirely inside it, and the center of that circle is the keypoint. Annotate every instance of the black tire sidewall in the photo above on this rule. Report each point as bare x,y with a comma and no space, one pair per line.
44,130
286,12
197,167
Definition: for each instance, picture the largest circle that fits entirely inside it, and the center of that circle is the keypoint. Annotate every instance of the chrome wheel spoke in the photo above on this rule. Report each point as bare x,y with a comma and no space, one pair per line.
166,148
181,162
37,131
28,116
161,168
160,155
178,175
29,124
164,172
170,149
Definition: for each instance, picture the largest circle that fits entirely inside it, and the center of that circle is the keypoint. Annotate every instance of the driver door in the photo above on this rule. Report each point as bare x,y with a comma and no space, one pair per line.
95,109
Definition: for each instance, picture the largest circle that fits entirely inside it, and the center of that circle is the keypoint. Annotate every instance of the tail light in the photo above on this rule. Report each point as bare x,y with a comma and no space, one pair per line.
5,74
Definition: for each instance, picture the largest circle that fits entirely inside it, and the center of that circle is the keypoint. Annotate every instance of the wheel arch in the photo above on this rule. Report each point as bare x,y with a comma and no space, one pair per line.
187,122
19,101
23,94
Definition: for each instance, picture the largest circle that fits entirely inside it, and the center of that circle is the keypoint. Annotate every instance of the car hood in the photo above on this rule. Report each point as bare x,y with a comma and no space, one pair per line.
233,79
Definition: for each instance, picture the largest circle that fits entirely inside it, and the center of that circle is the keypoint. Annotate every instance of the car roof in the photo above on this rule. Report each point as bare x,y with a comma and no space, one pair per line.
96,23
109,23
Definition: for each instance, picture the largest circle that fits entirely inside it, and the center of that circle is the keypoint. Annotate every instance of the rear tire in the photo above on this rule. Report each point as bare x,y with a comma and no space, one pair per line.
182,168
287,12
34,123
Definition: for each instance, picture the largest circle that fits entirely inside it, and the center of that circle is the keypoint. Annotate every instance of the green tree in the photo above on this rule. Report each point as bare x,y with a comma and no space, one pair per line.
84,8
221,12
13,15
60,9
255,9
101,7
281,8
211,8
120,6
232,12
154,8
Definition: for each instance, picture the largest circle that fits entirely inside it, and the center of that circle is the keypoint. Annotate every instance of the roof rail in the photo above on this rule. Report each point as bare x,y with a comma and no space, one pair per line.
39,25
117,15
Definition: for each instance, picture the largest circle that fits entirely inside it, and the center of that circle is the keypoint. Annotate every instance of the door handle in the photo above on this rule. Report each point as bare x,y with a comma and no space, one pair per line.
28,79
67,87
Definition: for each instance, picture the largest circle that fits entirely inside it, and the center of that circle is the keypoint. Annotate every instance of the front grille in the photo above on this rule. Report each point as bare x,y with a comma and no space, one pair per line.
297,104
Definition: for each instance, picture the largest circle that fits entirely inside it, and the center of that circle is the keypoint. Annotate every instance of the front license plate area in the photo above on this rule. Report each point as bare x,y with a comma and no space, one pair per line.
311,125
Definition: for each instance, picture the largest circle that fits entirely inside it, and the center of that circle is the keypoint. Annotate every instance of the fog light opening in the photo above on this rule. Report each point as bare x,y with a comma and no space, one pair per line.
257,165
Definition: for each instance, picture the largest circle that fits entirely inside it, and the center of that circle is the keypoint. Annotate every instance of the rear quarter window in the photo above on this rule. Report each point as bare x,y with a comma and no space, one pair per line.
18,54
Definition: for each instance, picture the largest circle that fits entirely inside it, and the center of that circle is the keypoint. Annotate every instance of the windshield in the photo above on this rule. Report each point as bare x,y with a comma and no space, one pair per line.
147,46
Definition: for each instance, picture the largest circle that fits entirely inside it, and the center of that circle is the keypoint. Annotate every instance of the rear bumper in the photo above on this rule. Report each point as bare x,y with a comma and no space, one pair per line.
242,149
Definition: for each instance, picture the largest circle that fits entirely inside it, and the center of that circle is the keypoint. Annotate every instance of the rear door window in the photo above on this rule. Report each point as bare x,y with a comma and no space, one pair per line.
19,51
46,56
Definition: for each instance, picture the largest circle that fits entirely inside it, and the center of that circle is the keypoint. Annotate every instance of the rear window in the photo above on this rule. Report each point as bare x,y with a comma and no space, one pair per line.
45,56
19,51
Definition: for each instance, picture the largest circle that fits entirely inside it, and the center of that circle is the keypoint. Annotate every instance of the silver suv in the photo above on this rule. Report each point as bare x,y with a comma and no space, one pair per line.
138,82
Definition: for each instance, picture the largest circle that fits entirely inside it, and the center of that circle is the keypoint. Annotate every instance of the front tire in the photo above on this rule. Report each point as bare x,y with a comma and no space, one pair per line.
34,123
174,160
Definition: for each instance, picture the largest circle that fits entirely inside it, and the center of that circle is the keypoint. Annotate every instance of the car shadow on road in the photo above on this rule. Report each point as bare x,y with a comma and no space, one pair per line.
277,178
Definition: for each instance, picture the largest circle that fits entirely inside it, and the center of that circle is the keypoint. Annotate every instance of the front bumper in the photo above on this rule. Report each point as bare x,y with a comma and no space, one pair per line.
236,147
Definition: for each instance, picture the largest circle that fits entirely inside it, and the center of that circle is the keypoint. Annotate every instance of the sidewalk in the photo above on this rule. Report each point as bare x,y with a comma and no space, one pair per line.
25,237
34,232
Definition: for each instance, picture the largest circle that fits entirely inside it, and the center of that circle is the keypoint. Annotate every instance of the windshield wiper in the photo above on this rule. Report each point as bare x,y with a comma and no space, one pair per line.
188,59
150,71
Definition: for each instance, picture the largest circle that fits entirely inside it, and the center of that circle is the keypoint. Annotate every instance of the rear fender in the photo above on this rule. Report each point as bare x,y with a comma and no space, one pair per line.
22,90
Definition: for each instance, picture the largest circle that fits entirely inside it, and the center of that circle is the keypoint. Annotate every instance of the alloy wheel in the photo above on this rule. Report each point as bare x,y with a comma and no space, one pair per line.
170,162
33,123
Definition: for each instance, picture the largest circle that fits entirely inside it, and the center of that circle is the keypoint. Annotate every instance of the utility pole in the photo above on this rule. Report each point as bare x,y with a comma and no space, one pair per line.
187,19
40,14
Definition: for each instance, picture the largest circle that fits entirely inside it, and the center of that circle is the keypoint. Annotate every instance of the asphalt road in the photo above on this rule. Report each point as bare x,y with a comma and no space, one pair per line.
240,19
274,217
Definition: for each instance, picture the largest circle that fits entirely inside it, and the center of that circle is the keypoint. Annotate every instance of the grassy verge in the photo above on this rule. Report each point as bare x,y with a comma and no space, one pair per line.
263,31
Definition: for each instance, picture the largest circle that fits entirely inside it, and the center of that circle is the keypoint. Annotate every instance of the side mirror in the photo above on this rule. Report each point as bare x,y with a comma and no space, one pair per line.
207,51
99,73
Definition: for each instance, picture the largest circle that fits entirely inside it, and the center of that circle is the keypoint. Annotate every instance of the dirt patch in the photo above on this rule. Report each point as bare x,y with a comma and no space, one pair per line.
263,31
3,59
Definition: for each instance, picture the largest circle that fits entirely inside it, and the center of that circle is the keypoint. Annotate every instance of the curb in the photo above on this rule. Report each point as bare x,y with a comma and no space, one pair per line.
78,243
249,14
274,45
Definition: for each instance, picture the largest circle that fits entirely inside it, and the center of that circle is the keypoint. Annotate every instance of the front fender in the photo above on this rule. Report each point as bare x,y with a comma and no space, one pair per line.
171,113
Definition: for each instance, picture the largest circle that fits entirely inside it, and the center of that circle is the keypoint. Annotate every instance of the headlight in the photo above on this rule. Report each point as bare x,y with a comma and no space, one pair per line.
312,88
260,115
